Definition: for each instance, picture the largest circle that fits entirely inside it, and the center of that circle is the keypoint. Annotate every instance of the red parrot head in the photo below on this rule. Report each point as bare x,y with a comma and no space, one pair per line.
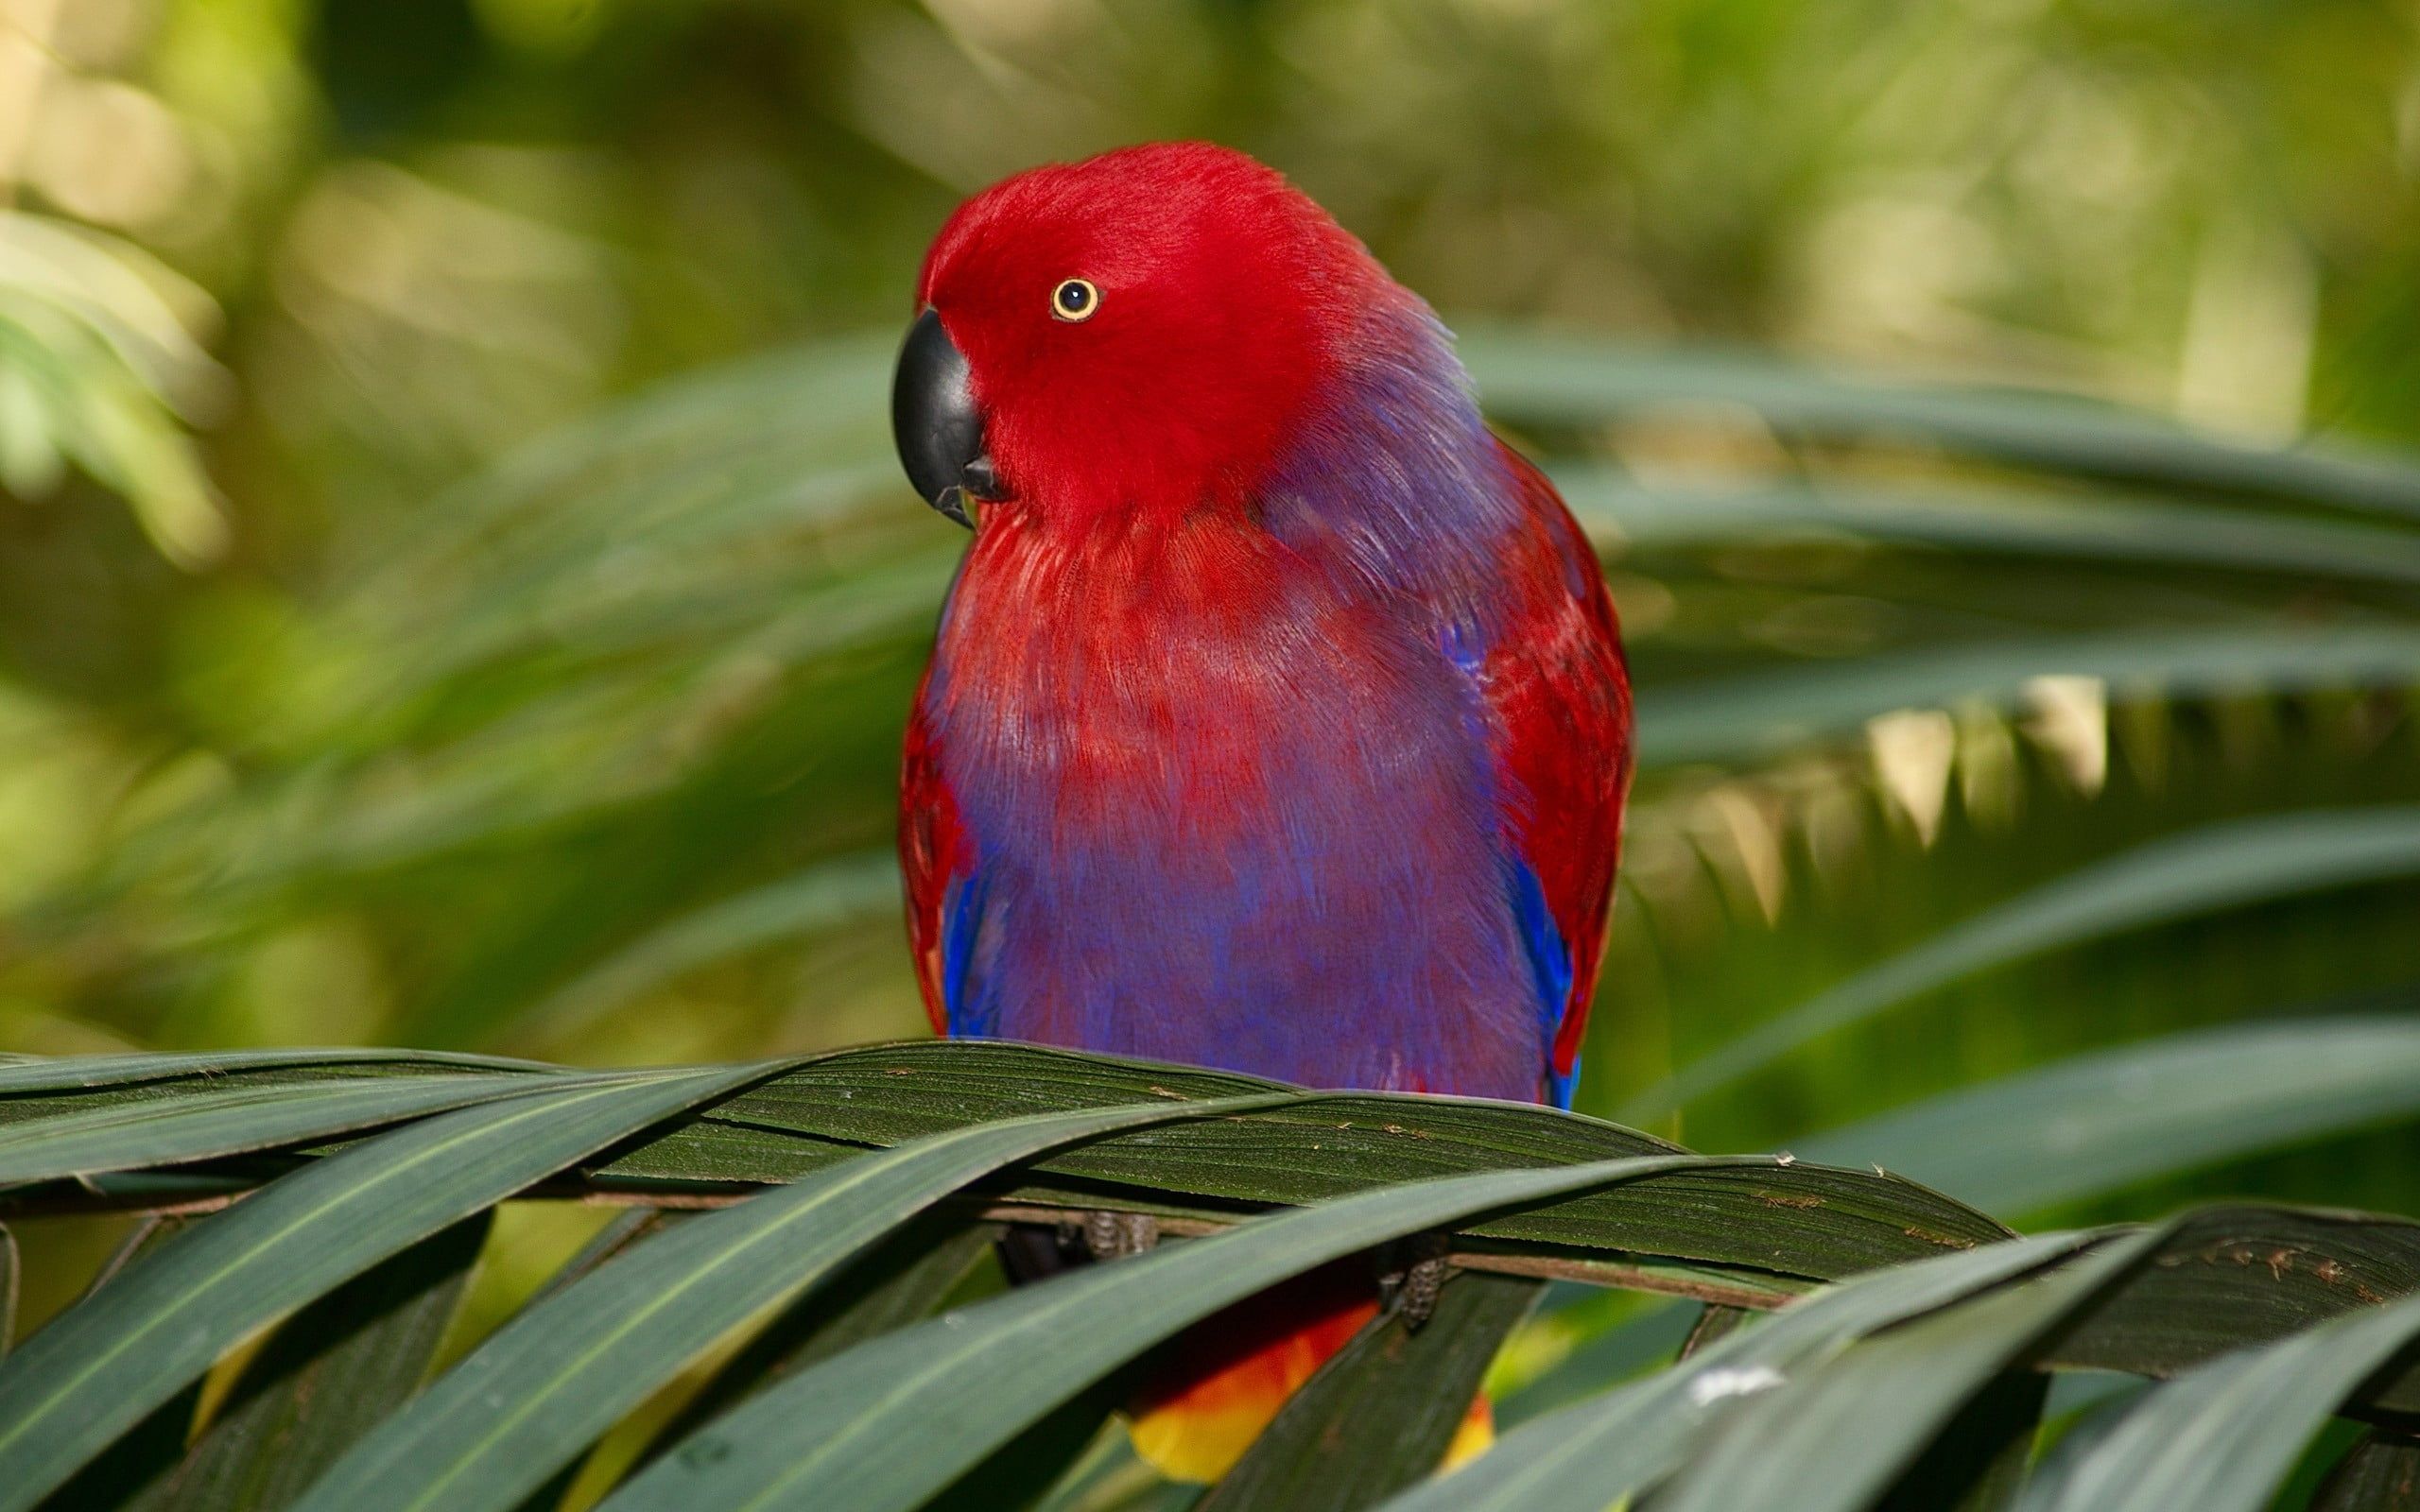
1143,329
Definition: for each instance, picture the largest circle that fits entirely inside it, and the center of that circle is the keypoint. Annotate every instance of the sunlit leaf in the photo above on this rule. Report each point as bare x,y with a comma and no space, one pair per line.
2094,529
1570,381
2080,1128
1760,715
2223,866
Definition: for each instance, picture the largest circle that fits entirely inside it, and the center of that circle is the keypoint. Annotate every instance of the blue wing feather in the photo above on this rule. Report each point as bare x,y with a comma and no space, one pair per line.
1550,967
976,1013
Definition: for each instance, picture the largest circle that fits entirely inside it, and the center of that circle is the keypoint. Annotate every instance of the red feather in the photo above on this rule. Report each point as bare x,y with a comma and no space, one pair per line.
931,850
1243,333
1560,696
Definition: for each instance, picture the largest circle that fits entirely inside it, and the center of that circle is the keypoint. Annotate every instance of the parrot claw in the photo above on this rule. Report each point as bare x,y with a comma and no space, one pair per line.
1116,1235
1414,1273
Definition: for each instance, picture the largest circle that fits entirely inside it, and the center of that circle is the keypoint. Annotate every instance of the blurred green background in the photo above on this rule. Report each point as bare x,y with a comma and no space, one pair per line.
455,591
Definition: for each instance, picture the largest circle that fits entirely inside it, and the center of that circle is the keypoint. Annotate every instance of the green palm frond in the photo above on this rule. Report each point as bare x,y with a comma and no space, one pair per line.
1896,1310
2026,805
100,368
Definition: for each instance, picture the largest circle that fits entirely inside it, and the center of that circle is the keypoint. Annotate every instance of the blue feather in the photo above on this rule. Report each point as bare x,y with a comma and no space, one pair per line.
962,917
1550,968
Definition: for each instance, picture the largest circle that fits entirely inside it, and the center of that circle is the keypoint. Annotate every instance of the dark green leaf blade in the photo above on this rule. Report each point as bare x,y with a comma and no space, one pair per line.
632,1225
2224,1436
1832,1223
96,1073
1586,1456
1978,1464
200,1125
1381,1413
2113,528
146,1453
2230,1276
97,1369
325,1377
1749,1234
967,1382
1834,1438
547,1383
899,1281
1021,1476
2381,1474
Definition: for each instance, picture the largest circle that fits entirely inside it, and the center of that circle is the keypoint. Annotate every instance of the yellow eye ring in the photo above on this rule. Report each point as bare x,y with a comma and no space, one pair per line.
1074,299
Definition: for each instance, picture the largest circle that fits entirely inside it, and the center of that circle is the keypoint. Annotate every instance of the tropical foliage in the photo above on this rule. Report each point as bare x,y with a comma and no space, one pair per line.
834,1213
1979,729
393,650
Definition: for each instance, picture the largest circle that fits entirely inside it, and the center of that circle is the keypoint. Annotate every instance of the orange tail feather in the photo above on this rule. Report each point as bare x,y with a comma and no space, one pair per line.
1220,1382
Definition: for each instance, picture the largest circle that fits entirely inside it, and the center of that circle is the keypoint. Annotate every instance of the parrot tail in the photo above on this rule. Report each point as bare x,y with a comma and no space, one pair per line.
1218,1384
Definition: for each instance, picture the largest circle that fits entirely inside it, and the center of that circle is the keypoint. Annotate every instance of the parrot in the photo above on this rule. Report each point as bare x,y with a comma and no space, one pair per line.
1277,717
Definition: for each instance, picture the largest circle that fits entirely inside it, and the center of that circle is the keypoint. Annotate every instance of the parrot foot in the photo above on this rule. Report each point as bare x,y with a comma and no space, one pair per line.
1116,1235
1413,1273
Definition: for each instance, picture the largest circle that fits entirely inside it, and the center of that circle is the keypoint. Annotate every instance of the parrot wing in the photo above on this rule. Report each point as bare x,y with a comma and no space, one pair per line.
934,863
1554,681
1554,684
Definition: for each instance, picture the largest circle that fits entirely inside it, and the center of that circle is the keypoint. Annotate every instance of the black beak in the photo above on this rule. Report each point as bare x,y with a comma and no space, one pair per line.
937,424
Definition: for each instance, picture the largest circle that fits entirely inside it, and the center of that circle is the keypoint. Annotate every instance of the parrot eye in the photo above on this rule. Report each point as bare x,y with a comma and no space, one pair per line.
1074,299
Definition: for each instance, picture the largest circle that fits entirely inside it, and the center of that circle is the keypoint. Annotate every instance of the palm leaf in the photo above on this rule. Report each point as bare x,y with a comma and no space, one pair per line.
1567,381
1755,715
668,1300
2225,1436
860,1143
326,1376
831,1434
1381,1413
1750,1230
1592,1453
78,1383
2103,529
903,1281
2217,867
142,1458
2381,1474
1838,1435
120,1135
2095,1124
